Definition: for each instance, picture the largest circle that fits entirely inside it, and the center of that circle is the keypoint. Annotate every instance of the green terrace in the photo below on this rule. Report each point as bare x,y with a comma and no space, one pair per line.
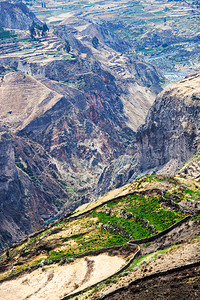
114,223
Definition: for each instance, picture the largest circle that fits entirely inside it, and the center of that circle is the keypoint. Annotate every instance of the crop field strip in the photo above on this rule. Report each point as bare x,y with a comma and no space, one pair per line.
138,24
44,49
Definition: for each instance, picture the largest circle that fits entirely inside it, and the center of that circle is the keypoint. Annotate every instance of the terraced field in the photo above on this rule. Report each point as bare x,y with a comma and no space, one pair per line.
109,223
163,33
43,50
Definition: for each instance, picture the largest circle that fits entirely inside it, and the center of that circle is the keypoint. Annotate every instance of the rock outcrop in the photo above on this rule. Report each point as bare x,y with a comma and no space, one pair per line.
31,188
171,134
16,16
167,140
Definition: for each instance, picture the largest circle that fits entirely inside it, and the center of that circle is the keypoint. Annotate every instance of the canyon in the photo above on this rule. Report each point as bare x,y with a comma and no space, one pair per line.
72,120
65,116
99,150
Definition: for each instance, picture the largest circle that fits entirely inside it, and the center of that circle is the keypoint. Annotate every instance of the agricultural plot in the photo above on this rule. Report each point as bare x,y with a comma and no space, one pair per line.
114,223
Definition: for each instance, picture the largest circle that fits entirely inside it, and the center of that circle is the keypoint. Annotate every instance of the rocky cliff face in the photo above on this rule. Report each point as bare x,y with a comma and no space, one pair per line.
14,219
171,133
16,16
167,140
31,188
68,117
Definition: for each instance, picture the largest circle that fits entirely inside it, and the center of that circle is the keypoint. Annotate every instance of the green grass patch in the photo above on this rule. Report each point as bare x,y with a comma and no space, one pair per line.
197,217
67,56
150,209
135,229
56,254
149,257
4,34
192,193
147,208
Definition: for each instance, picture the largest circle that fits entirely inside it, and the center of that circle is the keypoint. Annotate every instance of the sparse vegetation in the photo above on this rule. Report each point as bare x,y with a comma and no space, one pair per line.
95,42
113,224
36,30
78,84
67,46
5,34
27,170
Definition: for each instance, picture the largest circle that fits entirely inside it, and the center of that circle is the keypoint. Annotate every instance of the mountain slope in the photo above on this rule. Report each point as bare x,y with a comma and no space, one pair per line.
167,140
16,15
191,169
171,133
75,249
68,115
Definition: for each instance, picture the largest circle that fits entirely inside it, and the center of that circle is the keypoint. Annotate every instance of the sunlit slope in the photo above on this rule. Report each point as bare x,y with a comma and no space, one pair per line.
141,213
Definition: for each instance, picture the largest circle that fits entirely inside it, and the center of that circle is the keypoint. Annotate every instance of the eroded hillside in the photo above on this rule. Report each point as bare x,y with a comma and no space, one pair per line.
69,113
76,248
164,33
15,15
167,140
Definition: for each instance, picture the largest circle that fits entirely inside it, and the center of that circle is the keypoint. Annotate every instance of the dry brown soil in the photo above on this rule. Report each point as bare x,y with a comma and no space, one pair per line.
179,285
53,282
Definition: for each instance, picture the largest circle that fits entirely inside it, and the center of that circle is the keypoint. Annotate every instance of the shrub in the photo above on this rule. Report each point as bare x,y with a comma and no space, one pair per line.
95,42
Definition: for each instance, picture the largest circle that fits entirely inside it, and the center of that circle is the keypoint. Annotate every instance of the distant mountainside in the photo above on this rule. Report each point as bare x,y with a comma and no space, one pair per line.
64,118
167,140
69,122
171,134
16,15
165,33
